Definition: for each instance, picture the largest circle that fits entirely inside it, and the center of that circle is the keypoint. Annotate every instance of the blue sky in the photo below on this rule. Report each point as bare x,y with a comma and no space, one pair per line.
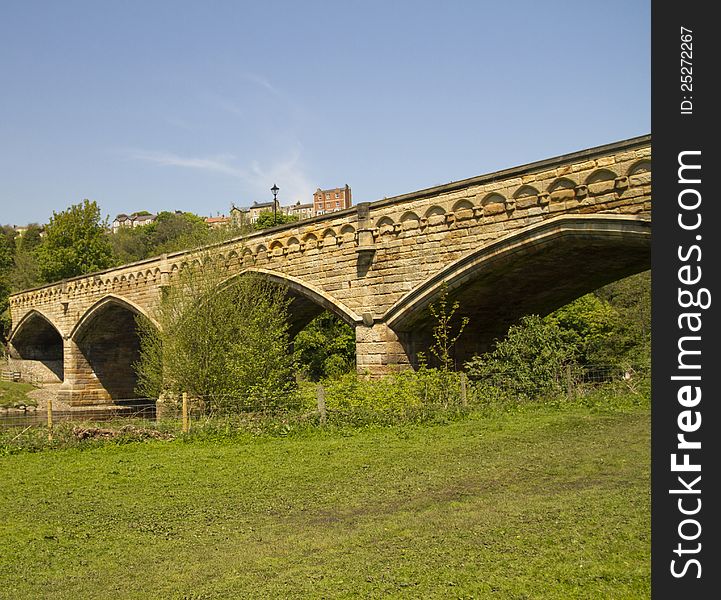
157,105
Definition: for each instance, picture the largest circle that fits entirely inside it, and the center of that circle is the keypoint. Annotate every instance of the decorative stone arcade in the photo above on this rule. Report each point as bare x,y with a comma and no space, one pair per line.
526,239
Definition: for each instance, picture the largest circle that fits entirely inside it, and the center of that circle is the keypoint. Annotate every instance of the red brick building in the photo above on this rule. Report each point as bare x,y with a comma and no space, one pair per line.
327,201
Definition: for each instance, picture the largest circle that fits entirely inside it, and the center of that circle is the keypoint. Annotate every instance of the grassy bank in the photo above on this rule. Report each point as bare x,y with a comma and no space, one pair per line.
14,394
545,503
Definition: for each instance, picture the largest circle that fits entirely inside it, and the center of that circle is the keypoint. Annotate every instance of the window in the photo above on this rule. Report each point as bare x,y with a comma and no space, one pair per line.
327,196
337,195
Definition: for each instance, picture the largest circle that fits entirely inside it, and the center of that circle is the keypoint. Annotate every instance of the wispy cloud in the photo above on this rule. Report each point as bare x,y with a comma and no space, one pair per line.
218,163
256,179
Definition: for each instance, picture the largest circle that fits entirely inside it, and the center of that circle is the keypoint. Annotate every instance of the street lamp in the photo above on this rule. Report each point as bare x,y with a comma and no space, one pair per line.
274,189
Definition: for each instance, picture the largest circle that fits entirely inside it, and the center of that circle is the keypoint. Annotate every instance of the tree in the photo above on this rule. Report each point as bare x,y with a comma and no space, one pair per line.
31,238
325,347
75,243
6,261
630,340
130,244
444,336
530,359
586,325
176,231
25,273
224,343
266,219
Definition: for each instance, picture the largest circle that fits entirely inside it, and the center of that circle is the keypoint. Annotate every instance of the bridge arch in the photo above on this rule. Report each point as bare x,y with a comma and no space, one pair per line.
500,282
105,346
37,338
307,300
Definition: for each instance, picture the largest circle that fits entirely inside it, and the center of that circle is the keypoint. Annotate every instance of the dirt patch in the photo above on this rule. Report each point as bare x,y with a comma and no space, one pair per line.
128,431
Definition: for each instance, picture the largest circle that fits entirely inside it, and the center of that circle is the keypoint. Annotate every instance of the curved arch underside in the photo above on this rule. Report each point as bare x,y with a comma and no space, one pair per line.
535,271
109,342
306,301
36,338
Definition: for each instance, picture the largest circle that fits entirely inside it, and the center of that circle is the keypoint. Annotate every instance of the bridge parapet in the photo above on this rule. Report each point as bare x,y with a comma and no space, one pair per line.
367,261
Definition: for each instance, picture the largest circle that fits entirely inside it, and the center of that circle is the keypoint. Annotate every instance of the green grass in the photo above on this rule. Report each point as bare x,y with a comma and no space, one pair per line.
546,503
14,394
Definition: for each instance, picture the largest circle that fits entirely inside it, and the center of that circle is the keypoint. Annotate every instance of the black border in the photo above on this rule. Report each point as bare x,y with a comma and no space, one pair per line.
673,133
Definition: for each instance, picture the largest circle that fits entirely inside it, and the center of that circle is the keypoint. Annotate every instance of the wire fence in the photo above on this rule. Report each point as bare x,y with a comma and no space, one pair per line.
20,377
572,381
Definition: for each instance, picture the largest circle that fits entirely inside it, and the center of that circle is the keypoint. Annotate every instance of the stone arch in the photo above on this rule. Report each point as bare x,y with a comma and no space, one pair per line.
37,338
562,183
347,233
410,220
293,244
435,211
385,225
525,191
600,175
330,237
533,270
639,167
493,198
307,300
435,215
463,204
601,181
106,346
495,204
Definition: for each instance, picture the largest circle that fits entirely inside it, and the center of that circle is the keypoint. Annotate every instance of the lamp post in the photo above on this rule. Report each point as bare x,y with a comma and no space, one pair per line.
274,189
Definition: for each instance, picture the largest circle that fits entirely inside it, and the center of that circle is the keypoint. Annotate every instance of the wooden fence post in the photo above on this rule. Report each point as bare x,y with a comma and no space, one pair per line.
50,419
464,396
320,395
569,382
186,422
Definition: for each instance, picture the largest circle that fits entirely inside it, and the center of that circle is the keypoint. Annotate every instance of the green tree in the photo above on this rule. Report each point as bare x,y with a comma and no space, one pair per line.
445,334
629,342
325,347
586,325
130,244
530,359
31,239
6,261
25,272
266,219
173,231
75,243
224,343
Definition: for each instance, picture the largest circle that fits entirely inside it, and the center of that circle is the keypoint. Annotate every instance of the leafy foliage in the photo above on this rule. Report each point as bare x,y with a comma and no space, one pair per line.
170,232
6,261
266,219
325,348
75,243
530,358
445,335
225,344
606,331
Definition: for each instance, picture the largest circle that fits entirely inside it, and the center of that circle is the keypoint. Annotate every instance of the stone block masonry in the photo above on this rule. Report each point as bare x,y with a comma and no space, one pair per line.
526,239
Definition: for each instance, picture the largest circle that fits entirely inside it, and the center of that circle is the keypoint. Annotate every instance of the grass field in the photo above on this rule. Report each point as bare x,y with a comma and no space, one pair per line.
545,503
15,394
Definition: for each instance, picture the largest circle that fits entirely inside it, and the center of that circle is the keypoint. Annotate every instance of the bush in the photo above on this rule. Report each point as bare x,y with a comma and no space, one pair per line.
529,361
224,343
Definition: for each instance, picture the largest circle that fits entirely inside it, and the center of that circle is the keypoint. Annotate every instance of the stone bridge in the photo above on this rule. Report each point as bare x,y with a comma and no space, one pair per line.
522,240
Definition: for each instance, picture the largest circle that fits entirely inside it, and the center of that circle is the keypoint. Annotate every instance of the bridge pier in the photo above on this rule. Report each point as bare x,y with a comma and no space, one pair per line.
380,350
81,386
